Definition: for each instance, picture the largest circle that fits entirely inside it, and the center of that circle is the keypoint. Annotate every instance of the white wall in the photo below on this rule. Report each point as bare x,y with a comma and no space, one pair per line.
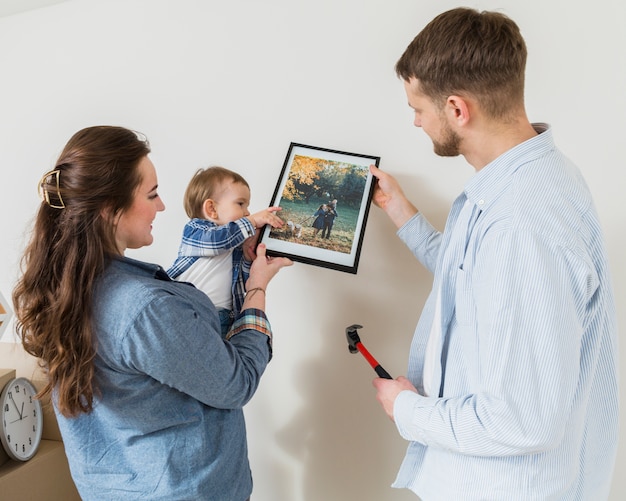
232,83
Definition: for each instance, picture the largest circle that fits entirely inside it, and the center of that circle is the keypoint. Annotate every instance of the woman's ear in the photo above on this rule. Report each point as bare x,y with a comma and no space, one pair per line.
106,213
209,209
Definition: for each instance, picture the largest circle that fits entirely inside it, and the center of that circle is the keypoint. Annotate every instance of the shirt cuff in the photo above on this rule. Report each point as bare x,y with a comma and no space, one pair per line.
246,227
417,224
415,234
251,319
405,413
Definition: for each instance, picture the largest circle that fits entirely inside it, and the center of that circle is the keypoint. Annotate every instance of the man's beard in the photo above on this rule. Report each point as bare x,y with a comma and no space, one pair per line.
449,145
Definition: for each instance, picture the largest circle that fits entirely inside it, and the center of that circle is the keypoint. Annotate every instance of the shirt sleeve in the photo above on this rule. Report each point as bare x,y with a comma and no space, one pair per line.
180,345
251,318
206,240
422,240
522,307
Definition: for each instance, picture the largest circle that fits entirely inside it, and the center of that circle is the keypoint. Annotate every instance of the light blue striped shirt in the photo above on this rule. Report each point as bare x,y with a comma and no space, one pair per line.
528,401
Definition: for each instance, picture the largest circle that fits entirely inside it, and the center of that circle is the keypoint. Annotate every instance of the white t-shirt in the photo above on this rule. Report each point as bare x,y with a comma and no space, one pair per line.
213,276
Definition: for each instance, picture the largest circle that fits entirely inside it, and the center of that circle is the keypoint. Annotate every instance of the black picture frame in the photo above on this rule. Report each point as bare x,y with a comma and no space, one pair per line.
312,177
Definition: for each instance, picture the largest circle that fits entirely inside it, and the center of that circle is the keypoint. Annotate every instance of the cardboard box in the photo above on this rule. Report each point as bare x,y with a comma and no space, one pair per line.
46,477
5,376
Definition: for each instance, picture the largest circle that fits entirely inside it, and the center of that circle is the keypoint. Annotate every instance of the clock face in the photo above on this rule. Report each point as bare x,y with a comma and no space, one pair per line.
22,421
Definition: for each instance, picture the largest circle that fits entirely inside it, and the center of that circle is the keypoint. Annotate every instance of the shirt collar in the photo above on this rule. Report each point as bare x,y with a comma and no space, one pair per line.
483,188
136,267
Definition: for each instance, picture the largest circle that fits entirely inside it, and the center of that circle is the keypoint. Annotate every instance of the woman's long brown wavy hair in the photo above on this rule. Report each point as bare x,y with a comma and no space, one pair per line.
72,240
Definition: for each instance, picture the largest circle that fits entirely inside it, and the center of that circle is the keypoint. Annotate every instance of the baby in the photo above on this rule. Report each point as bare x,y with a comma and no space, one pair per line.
218,242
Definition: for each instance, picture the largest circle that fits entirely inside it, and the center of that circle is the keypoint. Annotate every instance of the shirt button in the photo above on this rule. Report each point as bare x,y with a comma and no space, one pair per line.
481,202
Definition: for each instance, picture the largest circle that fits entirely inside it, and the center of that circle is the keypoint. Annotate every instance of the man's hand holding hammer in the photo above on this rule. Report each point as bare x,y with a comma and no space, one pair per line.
387,390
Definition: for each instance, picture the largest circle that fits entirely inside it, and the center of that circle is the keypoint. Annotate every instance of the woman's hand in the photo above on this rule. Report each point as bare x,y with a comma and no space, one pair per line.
263,269
249,247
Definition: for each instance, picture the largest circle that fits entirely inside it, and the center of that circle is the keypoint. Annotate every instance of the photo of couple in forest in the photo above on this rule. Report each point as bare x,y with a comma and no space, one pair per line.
324,196
314,189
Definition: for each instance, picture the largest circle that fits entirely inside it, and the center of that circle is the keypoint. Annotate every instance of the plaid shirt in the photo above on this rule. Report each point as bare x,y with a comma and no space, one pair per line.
205,239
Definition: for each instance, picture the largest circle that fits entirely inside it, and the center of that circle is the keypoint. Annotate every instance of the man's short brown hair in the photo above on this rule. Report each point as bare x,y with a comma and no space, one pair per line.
464,51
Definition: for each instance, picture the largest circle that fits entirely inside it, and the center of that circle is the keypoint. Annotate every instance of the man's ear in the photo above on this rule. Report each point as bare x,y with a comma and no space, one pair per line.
457,110
209,209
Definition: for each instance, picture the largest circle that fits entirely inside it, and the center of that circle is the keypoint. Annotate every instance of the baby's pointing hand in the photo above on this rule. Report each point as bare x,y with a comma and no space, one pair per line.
266,216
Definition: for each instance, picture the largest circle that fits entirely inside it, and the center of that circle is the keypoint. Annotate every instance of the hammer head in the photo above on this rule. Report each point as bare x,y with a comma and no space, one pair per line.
353,337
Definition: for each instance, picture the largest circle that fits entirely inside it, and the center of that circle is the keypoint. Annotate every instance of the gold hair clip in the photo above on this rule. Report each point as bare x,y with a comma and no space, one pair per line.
51,177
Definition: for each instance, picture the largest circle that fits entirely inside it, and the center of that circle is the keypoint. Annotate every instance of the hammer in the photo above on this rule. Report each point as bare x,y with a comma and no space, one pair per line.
354,345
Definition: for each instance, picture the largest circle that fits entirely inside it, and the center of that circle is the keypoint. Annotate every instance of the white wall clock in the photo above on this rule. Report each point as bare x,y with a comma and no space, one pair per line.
22,420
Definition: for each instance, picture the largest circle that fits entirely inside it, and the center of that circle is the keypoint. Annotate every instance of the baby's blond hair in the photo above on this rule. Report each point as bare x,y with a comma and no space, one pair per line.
206,184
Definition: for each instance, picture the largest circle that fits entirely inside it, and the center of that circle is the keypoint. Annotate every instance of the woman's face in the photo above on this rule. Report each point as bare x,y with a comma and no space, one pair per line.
134,226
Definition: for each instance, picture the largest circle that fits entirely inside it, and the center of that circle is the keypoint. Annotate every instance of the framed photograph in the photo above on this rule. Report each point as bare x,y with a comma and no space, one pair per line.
325,197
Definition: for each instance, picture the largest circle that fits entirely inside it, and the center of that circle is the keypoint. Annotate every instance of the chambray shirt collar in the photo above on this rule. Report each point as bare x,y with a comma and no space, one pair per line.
136,267
484,188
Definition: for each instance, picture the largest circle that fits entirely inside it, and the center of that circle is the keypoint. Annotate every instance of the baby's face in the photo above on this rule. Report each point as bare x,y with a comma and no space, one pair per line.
232,203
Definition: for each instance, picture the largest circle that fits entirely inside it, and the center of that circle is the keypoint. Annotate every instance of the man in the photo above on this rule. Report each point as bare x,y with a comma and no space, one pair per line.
512,380
329,218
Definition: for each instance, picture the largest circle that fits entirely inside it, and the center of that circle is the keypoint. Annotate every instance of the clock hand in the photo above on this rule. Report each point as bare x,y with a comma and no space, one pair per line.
18,411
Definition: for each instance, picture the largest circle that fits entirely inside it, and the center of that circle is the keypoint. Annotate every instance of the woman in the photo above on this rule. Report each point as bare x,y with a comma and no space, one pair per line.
318,223
148,395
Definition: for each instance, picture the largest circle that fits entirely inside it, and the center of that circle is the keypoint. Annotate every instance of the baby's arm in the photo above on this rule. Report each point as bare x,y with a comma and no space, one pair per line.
266,216
203,239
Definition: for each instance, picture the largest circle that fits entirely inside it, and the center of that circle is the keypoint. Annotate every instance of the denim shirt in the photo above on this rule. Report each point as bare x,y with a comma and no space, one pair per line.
168,421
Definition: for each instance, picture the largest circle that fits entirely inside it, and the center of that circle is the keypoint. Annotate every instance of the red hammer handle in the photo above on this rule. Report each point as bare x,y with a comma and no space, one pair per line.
372,361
